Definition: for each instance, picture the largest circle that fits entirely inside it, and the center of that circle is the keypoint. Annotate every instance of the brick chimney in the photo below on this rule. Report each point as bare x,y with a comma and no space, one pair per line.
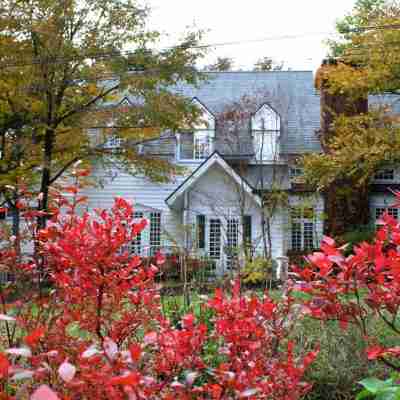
345,210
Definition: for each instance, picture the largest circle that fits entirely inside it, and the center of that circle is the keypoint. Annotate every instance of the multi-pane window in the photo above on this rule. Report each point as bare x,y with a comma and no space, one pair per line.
232,236
113,142
202,145
215,239
296,173
386,174
266,127
302,229
155,232
196,146
201,231
137,247
379,211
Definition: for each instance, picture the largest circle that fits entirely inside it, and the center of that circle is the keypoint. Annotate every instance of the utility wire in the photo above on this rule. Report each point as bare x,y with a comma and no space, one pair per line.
107,55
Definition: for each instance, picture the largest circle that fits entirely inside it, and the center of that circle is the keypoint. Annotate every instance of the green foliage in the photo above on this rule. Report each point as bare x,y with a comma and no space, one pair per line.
268,64
342,361
351,24
360,145
64,67
221,64
363,234
257,271
374,388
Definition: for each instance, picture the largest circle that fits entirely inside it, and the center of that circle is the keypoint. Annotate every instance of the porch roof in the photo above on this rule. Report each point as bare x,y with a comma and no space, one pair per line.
175,199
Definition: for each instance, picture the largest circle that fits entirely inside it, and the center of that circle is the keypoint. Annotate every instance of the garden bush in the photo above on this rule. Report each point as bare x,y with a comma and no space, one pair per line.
358,289
99,332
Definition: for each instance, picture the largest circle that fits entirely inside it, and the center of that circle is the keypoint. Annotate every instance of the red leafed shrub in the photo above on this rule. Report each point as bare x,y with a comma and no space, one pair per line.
354,288
93,329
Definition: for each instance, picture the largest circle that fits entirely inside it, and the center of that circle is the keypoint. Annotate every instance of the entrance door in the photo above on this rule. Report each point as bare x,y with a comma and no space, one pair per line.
223,242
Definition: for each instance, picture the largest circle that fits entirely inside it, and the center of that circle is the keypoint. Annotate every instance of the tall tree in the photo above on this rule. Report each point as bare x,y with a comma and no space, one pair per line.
73,60
268,64
356,139
221,64
351,24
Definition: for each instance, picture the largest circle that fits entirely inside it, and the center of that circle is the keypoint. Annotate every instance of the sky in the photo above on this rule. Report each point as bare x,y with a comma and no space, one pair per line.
294,31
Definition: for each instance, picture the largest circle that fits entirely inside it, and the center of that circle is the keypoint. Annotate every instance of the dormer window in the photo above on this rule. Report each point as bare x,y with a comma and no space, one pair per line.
198,144
266,130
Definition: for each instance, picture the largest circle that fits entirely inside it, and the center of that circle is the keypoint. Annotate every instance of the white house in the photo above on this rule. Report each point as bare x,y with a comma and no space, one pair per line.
216,204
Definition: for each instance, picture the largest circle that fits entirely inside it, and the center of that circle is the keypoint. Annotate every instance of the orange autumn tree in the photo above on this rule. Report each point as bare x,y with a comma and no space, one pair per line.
357,138
63,63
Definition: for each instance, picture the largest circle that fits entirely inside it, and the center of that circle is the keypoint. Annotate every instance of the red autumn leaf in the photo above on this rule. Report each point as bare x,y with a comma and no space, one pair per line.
374,352
188,321
4,365
33,338
131,379
160,258
136,351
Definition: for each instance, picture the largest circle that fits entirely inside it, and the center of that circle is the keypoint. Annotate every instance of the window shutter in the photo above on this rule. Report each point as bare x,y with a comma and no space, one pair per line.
247,229
201,231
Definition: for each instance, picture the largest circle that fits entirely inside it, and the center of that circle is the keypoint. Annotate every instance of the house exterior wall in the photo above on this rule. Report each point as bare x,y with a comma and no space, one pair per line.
145,195
217,195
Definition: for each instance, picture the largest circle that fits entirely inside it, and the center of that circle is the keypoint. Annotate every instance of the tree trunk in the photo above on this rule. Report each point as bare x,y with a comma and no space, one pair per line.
46,176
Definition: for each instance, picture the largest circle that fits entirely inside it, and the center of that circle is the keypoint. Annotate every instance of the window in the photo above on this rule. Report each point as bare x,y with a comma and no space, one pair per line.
215,239
155,232
113,142
296,173
302,229
266,128
232,241
195,146
137,241
385,175
379,211
149,240
201,231
198,145
202,145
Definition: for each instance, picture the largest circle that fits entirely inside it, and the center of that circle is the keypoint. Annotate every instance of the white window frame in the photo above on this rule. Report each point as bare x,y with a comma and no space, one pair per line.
232,240
266,131
136,244
215,239
296,173
305,226
150,240
113,142
203,134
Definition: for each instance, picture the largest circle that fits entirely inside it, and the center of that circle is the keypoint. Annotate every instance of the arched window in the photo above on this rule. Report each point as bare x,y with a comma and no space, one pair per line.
198,145
266,129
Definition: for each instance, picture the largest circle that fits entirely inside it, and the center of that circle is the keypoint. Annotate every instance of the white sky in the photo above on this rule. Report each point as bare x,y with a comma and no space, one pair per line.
230,20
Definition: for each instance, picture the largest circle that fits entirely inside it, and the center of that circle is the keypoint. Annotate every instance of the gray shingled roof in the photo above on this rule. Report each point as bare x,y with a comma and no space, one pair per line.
290,93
